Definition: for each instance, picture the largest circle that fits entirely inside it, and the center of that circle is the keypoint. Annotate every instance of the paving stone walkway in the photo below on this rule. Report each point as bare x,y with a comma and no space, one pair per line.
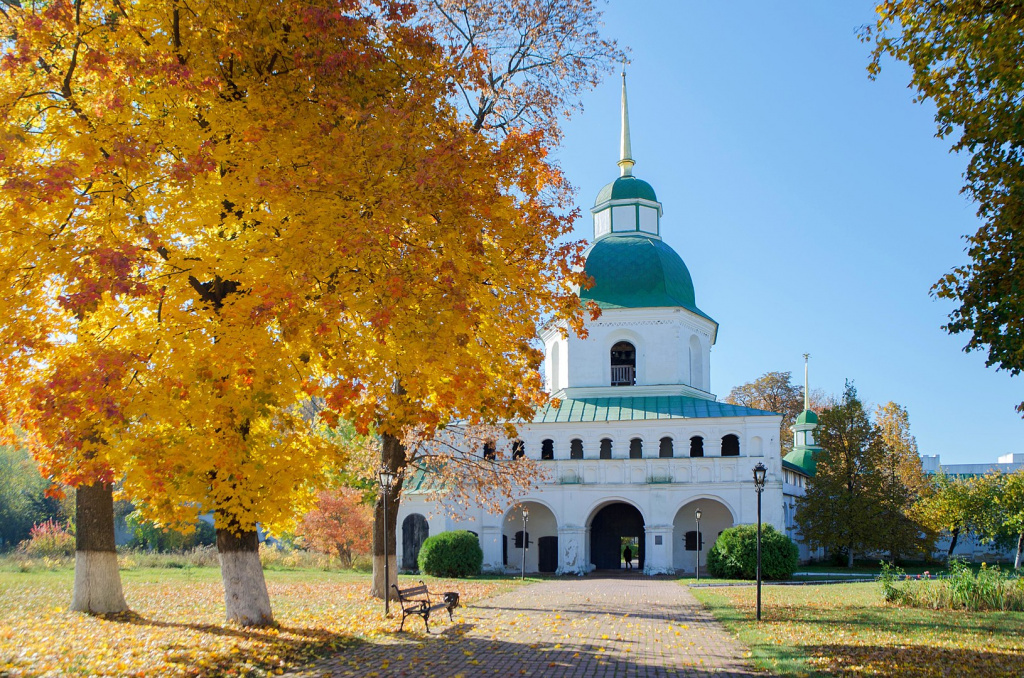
592,626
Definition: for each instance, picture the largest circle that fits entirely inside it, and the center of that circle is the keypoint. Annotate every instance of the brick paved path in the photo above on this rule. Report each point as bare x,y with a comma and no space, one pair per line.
593,627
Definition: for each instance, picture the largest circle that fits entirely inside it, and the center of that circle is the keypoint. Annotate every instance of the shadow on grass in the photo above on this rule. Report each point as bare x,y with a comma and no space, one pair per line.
879,660
275,647
454,652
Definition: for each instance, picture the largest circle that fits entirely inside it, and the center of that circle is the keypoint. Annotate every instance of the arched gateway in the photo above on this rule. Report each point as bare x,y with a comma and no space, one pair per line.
612,527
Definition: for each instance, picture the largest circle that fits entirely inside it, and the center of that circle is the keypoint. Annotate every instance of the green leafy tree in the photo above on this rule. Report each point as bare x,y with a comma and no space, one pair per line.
840,508
902,484
1004,523
948,505
23,500
965,58
148,535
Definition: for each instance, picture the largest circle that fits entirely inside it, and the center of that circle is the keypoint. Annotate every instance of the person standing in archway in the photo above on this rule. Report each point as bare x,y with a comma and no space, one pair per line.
628,555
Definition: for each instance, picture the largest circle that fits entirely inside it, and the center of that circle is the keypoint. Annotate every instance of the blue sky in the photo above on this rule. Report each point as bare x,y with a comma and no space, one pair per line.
814,207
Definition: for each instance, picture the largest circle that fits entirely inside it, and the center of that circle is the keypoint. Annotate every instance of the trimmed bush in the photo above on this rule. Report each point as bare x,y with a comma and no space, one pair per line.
451,554
734,555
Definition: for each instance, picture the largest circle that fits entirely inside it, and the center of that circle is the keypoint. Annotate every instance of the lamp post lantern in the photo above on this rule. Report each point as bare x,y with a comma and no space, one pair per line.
697,515
386,477
526,542
759,475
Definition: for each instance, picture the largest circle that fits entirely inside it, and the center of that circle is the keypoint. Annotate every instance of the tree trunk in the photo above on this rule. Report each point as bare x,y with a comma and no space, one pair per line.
245,590
392,458
1020,550
97,588
849,557
952,542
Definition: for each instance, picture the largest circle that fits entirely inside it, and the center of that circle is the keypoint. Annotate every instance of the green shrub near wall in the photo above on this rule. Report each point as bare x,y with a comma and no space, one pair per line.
734,555
451,554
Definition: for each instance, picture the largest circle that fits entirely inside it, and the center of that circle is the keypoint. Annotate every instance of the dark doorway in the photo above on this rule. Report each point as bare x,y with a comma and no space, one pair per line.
415,531
547,554
610,525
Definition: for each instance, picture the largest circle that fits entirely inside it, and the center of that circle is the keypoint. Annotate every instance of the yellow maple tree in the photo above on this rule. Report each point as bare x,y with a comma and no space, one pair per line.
212,212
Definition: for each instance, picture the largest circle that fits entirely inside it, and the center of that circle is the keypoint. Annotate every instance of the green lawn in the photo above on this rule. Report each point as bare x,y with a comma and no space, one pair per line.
847,630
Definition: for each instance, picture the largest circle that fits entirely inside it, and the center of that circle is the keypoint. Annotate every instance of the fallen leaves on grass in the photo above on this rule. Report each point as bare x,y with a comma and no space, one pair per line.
846,630
177,629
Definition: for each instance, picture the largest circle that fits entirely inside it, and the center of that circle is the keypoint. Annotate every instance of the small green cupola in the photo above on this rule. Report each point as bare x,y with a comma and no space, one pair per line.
627,205
805,445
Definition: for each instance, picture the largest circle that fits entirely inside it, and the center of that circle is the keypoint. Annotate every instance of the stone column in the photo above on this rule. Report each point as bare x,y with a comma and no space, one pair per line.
572,550
658,549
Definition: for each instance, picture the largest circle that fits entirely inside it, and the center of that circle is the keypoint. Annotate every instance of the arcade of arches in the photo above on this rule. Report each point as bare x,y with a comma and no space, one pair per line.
610,527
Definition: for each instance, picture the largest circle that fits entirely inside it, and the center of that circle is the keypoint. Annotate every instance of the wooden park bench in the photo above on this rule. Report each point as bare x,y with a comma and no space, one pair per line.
417,600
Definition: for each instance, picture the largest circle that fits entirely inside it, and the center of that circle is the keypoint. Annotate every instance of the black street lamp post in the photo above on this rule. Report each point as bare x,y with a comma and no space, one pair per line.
759,474
386,478
697,515
526,543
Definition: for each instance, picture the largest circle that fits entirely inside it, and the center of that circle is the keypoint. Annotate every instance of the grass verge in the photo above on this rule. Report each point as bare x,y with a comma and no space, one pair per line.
847,630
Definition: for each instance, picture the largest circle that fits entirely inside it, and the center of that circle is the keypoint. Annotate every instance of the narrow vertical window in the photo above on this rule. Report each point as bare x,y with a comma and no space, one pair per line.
576,449
547,449
518,449
665,448
730,446
696,446
490,452
606,448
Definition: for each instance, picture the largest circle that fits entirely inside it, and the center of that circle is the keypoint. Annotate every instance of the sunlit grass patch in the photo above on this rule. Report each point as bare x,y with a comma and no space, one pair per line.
848,630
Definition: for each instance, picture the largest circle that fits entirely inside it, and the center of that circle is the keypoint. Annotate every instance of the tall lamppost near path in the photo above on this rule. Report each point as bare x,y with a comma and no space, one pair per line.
386,477
526,543
759,473
697,515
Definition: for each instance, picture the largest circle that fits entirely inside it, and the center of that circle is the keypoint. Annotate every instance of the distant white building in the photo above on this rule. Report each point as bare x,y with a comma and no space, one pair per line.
1008,463
967,545
637,443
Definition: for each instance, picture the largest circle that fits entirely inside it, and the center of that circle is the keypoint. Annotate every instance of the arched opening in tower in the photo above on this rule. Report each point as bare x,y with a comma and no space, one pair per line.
623,364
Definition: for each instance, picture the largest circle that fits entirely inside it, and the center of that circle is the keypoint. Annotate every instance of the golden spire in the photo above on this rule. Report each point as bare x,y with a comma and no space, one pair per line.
626,155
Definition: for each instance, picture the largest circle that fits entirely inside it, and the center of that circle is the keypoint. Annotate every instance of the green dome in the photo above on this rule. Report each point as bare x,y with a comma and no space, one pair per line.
807,417
637,271
626,188
803,458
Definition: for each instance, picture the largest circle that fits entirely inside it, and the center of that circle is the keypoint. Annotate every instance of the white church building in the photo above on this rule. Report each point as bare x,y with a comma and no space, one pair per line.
637,443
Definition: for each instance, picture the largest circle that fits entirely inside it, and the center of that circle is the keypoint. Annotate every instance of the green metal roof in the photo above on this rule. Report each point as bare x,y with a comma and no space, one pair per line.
626,188
807,417
637,271
793,467
806,459
637,408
